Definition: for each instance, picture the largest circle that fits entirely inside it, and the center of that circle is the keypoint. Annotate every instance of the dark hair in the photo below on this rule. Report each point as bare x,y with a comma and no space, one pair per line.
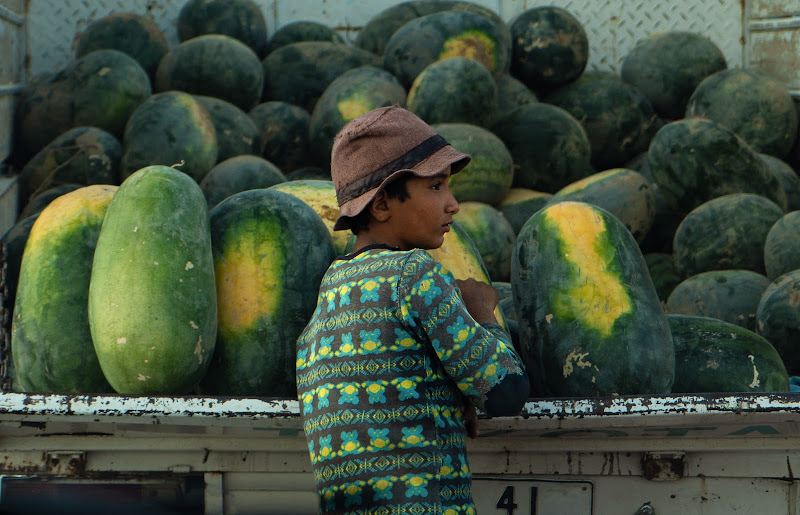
396,189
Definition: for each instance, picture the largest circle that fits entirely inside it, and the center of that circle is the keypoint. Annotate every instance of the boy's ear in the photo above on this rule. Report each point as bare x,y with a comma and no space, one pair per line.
379,208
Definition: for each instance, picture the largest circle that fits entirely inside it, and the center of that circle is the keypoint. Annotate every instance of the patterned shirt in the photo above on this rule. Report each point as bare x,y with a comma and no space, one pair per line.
383,368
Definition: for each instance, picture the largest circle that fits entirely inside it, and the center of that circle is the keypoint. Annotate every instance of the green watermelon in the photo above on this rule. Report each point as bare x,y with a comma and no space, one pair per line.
213,65
81,155
12,244
511,93
487,178
624,193
309,173
302,30
270,253
101,89
782,246
590,320
662,272
152,301
549,47
236,132
694,160
131,33
492,234
298,73
549,146
240,19
445,34
520,203
778,318
713,356
659,238
765,115
619,120
729,295
725,233
284,134
788,178
239,173
170,128
454,90
51,344
350,95
668,66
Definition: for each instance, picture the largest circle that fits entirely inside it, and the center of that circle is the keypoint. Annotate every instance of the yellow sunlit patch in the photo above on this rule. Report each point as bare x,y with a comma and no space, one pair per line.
598,298
73,209
353,108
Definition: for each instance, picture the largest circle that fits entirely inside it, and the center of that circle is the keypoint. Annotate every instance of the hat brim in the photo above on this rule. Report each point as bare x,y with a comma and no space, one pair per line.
432,165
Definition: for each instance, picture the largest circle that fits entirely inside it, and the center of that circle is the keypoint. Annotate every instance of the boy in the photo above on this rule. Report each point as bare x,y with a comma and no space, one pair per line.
397,351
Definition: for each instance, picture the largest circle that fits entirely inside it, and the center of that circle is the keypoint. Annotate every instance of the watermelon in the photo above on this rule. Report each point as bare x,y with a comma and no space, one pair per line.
101,89
778,318
788,178
213,65
284,134
511,93
379,29
270,253
152,301
668,66
488,176
505,303
729,295
298,73
454,90
51,344
520,203
716,235
40,200
445,34
240,19
619,120
239,173
170,128
549,47
492,234
131,33
662,272
659,238
302,30
320,195
624,193
461,257
236,132
694,160
765,115
549,146
590,320
13,244
310,172
782,246
350,95
81,155
713,356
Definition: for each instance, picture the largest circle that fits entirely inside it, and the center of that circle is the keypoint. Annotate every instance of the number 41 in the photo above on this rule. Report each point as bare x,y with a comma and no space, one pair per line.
506,501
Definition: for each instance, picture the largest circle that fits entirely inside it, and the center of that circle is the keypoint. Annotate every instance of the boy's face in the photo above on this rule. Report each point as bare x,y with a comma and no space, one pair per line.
421,220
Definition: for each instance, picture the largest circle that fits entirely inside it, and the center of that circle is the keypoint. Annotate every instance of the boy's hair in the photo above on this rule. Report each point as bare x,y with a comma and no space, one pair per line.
396,189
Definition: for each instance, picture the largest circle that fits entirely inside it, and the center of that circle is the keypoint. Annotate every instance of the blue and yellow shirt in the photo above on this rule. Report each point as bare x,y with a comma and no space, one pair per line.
382,371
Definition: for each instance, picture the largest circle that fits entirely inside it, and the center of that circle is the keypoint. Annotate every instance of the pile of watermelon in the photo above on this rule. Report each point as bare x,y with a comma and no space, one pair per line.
177,209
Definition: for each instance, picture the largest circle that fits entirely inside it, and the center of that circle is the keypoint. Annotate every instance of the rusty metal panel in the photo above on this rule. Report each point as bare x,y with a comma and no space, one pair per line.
778,52
773,8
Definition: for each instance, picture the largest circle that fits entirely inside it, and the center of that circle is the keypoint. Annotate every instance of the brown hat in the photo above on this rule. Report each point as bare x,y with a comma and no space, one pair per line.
379,146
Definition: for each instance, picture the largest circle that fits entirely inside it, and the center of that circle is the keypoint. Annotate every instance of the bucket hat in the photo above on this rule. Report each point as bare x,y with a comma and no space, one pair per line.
378,147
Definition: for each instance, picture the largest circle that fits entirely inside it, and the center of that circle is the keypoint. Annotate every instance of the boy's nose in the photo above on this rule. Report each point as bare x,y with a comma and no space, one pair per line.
452,205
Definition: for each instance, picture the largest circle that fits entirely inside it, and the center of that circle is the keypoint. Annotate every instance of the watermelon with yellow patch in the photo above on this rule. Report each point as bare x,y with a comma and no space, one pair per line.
445,34
51,344
459,254
492,234
520,203
590,320
321,196
270,253
350,95
152,301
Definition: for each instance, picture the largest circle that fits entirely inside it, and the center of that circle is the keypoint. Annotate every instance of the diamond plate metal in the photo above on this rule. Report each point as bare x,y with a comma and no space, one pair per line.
613,26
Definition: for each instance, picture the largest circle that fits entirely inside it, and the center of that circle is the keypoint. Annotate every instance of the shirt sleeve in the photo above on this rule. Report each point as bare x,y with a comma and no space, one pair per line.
479,358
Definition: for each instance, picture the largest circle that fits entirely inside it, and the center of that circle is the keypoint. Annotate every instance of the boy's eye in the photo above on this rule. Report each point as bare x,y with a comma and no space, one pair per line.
436,185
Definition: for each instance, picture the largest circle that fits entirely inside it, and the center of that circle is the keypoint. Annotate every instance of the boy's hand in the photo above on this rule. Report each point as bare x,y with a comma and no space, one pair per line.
469,416
479,298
